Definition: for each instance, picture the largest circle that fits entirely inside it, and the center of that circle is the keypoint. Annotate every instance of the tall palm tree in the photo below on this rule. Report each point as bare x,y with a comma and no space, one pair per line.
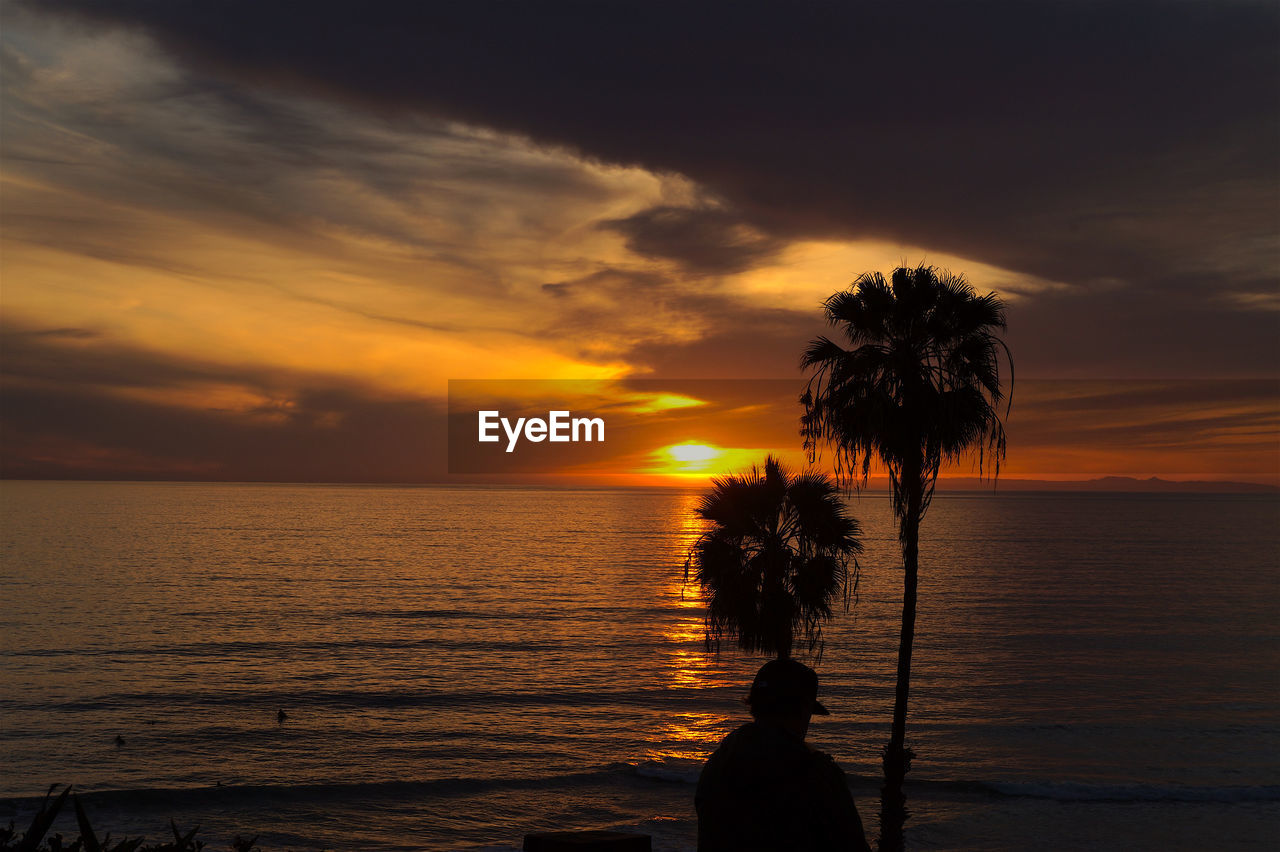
920,387
777,554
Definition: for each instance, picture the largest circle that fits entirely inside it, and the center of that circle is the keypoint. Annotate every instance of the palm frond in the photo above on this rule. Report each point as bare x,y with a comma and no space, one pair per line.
923,385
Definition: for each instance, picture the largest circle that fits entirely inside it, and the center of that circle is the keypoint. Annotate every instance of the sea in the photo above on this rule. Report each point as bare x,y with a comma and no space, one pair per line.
460,666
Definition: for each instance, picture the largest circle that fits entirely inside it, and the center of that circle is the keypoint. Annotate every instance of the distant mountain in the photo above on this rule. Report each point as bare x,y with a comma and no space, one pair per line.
1110,483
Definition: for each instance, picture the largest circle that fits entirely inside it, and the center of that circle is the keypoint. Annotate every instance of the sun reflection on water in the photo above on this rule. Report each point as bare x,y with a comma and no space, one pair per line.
689,664
689,736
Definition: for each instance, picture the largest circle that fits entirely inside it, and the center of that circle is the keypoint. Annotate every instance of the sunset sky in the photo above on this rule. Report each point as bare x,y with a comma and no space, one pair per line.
249,242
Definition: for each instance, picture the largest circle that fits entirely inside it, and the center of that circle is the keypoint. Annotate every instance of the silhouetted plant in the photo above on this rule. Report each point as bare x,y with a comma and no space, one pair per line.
34,839
920,387
778,553
40,824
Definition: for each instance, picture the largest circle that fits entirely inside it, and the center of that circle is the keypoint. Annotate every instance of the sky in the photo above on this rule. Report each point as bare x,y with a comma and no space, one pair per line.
243,242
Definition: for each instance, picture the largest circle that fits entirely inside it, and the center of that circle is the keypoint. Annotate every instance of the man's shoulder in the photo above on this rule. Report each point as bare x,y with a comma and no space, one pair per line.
754,753
757,736
820,757
824,766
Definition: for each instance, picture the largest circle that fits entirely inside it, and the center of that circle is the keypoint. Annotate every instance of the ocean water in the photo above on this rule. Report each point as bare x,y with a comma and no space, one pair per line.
462,665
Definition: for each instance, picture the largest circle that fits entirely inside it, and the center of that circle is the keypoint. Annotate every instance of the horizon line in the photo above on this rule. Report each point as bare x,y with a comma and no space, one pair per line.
1100,484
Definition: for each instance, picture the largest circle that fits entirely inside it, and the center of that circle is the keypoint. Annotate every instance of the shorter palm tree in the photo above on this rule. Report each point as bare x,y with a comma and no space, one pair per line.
778,553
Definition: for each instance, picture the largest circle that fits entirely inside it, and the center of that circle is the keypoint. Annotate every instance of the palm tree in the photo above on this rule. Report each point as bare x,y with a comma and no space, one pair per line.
919,387
777,554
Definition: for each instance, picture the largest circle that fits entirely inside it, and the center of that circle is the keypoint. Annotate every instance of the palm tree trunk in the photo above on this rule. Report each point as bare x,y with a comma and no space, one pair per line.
897,757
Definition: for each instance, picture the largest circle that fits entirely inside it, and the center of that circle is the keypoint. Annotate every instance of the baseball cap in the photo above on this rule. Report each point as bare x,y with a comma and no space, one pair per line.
783,685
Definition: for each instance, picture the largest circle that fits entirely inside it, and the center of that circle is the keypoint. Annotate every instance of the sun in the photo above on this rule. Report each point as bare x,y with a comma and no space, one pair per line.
692,454
694,461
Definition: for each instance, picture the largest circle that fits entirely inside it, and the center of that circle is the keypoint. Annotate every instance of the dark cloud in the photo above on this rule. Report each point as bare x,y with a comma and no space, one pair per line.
68,333
84,357
13,66
703,240
679,327
67,411
118,169
610,280
1079,141
1185,330
1088,333
738,340
1205,425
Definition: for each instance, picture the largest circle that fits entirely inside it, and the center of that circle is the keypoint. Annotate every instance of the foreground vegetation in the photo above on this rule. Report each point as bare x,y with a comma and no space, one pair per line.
780,549
35,840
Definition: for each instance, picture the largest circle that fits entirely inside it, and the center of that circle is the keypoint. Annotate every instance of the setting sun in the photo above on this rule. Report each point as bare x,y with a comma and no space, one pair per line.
691,453
696,460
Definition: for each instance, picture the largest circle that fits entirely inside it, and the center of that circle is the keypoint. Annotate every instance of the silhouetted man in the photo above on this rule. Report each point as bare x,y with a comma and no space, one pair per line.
764,788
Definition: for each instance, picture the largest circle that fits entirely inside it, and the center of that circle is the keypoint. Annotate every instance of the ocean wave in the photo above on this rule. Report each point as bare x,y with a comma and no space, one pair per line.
1071,791
231,795
678,771
687,771
276,794
1074,792
365,699
271,647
